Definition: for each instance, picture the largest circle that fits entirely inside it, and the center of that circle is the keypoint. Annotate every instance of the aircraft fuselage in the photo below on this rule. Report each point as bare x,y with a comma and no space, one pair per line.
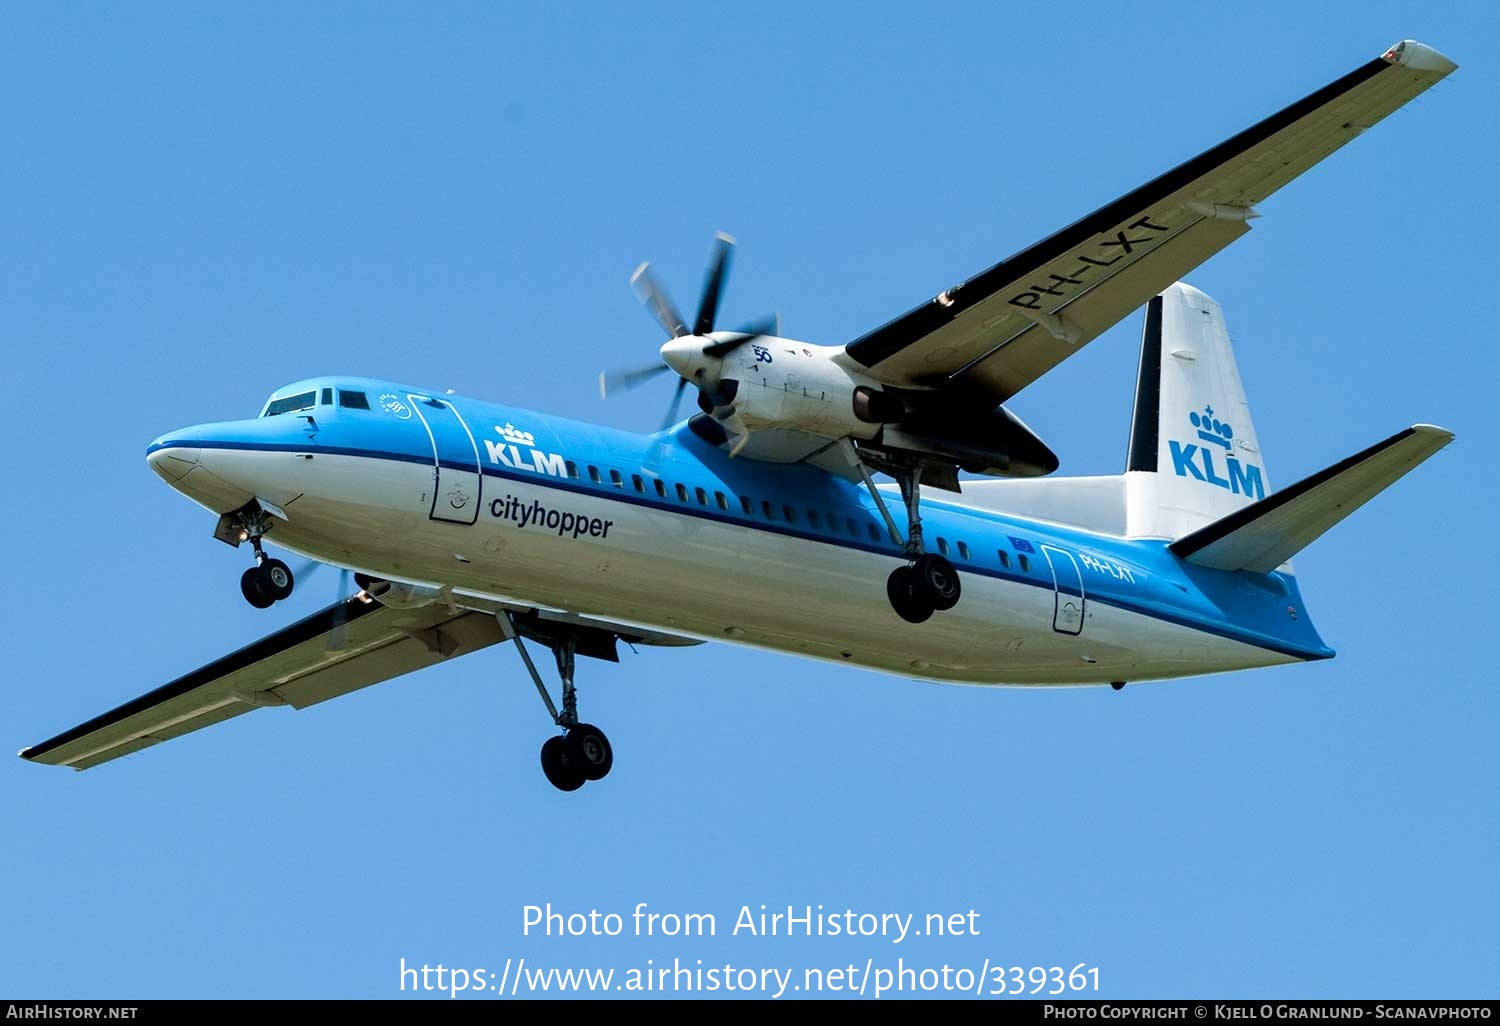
676,535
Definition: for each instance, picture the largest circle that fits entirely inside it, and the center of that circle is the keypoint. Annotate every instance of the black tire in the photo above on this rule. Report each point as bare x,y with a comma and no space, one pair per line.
561,773
909,604
253,589
276,579
936,579
589,750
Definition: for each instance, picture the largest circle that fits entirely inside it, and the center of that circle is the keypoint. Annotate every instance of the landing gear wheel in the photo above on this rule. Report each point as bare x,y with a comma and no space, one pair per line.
276,579
909,602
253,588
589,750
937,580
560,770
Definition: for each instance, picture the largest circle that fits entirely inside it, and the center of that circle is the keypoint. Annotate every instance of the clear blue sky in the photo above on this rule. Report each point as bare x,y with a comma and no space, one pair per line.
201,204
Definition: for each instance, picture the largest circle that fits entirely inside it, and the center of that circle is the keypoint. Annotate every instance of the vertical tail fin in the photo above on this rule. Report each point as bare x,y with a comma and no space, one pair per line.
1193,456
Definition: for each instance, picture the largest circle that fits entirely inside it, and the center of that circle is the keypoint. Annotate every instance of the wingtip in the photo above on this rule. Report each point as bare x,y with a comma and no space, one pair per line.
635,275
725,237
1419,57
1435,431
603,389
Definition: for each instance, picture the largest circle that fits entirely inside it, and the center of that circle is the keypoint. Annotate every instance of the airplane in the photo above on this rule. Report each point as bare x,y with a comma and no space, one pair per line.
758,520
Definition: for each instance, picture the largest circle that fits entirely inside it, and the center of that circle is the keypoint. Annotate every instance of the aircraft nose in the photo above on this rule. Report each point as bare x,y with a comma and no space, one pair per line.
173,455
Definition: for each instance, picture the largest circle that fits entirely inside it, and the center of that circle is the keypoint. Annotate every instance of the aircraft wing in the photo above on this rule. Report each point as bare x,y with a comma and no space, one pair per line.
347,646
1007,326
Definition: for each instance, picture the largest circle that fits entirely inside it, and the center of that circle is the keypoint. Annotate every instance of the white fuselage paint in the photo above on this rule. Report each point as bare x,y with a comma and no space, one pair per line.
702,578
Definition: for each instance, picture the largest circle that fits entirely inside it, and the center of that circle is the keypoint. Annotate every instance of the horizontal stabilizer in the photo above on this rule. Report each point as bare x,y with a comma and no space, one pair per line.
1264,535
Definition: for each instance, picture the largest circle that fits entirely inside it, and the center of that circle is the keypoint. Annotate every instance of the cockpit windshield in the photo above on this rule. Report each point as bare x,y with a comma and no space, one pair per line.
291,404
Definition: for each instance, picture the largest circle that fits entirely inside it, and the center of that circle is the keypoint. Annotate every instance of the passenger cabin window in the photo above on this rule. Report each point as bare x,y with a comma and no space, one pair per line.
872,530
721,500
963,550
748,505
1025,563
1005,559
833,523
353,400
853,527
702,496
661,487
291,404
812,518
594,475
768,509
615,479
943,546
572,469
791,514
640,486
682,492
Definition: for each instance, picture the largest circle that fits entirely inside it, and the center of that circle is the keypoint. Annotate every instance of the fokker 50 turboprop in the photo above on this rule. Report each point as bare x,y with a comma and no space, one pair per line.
467,523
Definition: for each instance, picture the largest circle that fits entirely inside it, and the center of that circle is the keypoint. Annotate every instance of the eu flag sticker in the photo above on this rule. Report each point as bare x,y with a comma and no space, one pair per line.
1020,544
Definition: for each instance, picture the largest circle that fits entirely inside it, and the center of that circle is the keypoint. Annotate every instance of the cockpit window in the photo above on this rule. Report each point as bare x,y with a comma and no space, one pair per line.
291,404
353,400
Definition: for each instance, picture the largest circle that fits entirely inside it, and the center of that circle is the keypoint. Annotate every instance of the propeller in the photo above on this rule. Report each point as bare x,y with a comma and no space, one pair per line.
304,571
686,352
341,616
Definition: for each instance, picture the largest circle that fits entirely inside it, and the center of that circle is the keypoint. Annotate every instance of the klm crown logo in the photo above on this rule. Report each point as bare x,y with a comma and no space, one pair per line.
1197,461
1211,429
508,453
516,436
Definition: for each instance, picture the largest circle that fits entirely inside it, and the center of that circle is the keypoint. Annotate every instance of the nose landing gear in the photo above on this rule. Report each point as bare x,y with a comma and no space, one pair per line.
266,583
269,580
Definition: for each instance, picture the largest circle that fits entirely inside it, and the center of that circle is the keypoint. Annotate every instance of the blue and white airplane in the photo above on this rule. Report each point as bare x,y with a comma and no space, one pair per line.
467,523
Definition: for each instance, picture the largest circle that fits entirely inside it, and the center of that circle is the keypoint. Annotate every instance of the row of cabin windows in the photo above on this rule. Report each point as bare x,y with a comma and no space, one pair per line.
832,522
963,553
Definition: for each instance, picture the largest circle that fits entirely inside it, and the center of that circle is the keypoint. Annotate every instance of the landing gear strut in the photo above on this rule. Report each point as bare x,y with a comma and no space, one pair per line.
269,580
582,752
928,583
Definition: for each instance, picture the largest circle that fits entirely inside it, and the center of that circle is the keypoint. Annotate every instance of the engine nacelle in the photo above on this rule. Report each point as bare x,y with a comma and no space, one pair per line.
778,383
397,595
783,384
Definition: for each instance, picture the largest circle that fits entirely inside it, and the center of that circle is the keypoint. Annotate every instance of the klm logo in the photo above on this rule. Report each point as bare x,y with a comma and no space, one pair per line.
517,450
1196,459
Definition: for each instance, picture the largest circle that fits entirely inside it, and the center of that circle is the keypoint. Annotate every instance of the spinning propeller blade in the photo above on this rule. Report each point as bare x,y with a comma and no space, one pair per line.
655,298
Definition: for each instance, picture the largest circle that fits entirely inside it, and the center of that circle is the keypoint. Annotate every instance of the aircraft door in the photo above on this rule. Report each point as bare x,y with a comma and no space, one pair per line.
457,482
1067,589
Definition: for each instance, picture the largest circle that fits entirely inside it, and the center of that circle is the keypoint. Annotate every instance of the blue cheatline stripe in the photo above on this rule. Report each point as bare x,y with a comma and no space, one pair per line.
658,504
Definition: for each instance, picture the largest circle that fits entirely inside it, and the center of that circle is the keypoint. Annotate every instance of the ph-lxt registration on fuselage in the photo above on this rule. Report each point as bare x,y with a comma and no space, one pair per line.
760,521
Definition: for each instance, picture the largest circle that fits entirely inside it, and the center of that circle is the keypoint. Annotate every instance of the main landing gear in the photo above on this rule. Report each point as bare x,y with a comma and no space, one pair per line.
928,583
269,580
582,752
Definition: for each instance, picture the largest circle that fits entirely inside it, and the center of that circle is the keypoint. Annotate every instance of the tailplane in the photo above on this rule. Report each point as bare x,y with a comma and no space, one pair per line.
1264,535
